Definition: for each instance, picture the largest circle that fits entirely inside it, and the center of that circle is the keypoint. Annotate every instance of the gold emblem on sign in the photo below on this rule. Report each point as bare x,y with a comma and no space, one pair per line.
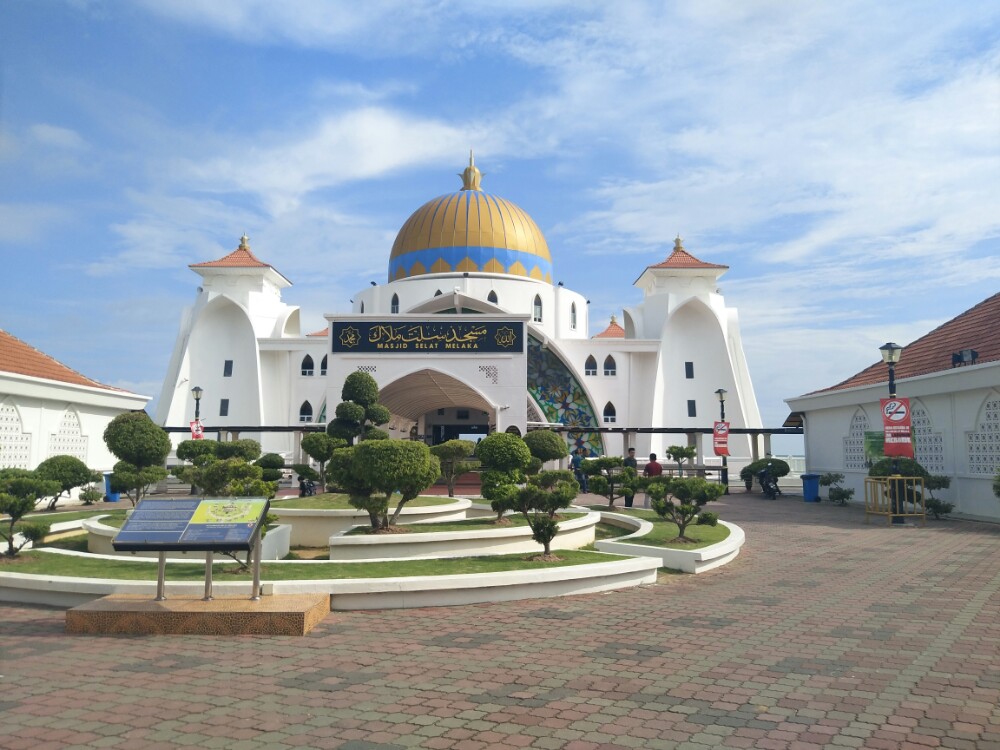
505,337
350,337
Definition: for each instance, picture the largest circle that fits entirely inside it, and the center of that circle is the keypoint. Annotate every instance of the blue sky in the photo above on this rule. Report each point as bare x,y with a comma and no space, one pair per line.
843,158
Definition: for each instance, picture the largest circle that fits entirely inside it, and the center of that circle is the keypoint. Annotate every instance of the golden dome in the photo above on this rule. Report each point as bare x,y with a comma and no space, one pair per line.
470,230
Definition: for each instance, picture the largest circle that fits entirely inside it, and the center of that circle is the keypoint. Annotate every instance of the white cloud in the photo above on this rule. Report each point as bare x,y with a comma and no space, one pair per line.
56,137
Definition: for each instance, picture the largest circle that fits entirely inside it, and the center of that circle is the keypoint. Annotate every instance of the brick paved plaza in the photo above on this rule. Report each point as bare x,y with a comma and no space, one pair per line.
825,632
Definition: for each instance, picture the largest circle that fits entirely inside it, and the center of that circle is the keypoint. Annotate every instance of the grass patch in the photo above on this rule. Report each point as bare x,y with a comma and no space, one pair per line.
609,531
40,563
665,532
74,515
339,501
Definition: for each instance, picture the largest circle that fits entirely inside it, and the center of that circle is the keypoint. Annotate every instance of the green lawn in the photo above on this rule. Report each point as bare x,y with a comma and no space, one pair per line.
40,563
59,516
665,532
338,501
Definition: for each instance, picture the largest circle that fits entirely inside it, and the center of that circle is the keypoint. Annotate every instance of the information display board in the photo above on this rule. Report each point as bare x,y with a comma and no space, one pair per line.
192,525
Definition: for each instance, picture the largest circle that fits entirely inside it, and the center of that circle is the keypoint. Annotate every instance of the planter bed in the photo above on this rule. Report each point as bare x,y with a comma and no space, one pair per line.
688,561
574,533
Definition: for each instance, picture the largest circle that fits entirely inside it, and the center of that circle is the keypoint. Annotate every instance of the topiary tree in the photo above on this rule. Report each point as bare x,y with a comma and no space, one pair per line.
546,445
938,508
14,509
69,471
452,455
691,495
379,468
23,484
189,450
359,410
837,494
141,446
272,465
320,447
246,449
680,454
540,500
504,458
230,477
607,475
775,467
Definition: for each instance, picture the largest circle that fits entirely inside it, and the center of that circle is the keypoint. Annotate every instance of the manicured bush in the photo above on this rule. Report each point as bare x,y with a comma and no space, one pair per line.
452,455
708,518
142,447
69,471
546,445
679,454
681,499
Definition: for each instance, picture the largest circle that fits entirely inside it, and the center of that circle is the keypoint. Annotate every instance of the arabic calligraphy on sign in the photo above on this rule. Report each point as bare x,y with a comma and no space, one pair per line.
416,336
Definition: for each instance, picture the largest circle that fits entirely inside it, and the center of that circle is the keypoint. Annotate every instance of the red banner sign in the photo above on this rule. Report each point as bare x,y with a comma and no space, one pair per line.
896,422
197,430
720,438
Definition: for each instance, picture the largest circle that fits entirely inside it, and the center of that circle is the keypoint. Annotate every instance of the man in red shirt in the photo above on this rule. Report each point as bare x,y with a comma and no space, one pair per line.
652,469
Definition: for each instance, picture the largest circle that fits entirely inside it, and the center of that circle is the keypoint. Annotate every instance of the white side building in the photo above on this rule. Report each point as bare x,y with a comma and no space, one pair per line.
952,378
47,409
467,335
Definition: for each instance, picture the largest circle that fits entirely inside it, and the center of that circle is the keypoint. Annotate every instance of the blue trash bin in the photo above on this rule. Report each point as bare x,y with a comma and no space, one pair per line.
109,496
810,488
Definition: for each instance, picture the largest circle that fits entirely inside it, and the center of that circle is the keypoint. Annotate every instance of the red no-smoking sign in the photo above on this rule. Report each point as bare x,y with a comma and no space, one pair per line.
720,438
896,423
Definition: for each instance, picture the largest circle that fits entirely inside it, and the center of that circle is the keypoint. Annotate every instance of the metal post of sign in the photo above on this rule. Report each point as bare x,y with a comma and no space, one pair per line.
208,577
161,576
256,567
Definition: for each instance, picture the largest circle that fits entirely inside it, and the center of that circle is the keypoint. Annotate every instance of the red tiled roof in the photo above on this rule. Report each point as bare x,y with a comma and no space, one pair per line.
613,331
977,328
241,257
681,258
324,332
23,359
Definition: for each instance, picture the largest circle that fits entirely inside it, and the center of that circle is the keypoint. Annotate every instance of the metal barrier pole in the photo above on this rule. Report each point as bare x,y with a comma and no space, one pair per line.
256,567
161,575
208,577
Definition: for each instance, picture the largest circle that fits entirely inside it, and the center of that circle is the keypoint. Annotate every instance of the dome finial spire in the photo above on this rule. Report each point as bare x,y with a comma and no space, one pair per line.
244,242
678,243
471,177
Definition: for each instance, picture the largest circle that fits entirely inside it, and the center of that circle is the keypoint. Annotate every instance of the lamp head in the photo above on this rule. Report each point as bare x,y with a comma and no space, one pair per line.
196,392
890,352
721,393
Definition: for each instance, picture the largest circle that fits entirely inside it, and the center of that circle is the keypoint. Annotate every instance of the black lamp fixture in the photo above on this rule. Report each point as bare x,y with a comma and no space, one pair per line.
196,392
890,355
721,393
373,283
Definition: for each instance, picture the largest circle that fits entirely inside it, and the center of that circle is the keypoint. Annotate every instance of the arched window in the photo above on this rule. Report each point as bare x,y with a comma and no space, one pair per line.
513,430
590,368
322,366
610,368
492,297
572,316
609,413
307,365
306,412
536,311
395,304
437,293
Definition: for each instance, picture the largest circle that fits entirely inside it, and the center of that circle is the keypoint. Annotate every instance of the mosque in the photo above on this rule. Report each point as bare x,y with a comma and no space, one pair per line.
467,335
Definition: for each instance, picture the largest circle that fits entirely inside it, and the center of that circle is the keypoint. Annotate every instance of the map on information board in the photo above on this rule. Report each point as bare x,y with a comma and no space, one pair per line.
192,525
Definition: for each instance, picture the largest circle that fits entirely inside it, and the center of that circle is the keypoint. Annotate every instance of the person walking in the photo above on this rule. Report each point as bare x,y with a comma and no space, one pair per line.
630,461
578,472
651,469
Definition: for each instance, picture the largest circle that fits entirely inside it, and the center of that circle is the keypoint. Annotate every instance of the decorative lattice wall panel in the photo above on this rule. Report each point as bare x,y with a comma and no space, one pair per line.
69,440
854,443
15,443
928,446
984,443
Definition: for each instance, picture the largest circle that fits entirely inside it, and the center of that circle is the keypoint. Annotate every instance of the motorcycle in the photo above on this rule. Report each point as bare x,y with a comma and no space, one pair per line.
768,484
307,487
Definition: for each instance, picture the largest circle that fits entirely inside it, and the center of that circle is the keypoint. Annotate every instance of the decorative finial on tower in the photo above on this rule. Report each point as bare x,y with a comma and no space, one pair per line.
244,242
678,243
614,320
471,176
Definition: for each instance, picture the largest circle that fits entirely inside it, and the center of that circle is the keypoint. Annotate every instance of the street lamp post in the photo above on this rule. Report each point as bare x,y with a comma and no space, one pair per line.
890,355
721,393
196,392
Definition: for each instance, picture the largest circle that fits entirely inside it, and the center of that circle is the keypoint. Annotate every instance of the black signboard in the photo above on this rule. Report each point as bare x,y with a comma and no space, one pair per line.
192,525
424,336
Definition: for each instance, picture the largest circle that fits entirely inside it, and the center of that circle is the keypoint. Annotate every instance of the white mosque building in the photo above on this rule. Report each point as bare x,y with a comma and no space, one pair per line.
467,335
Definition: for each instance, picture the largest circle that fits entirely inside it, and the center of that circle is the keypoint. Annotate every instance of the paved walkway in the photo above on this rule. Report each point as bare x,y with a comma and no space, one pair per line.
824,633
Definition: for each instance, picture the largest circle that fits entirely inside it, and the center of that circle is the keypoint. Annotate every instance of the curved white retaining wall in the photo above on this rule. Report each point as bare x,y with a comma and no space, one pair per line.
274,546
313,528
688,561
574,533
358,593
